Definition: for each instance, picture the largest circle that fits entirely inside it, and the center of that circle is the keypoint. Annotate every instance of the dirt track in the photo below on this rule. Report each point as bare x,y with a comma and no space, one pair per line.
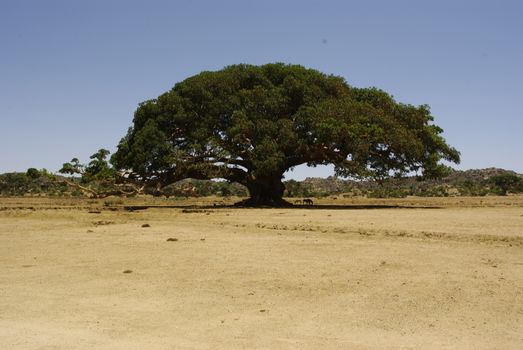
448,278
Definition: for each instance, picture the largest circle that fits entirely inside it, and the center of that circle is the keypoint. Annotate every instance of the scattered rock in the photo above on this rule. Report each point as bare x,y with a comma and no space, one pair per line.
202,239
263,310
89,231
127,271
172,239
146,225
197,211
94,212
103,222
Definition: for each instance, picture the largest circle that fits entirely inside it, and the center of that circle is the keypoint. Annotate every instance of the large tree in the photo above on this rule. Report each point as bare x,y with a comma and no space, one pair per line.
250,124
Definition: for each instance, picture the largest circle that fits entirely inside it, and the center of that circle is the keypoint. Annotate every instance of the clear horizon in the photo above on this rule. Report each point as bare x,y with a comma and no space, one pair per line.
72,73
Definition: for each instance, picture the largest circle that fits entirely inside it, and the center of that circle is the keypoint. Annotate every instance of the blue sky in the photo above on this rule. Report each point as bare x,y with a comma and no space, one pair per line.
73,72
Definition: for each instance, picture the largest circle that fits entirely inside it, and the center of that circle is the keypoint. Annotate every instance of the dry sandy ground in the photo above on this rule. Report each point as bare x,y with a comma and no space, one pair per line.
393,278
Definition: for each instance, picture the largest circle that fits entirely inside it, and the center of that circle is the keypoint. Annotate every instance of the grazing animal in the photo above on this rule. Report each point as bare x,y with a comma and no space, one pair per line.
298,201
308,201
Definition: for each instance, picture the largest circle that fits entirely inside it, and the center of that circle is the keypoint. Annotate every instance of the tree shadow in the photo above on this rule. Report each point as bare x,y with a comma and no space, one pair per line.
196,208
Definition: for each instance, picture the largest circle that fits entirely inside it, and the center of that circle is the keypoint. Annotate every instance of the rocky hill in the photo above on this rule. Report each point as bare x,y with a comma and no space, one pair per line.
475,182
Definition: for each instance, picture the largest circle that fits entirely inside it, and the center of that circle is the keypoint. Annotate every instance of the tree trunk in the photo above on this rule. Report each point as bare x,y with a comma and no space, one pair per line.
266,192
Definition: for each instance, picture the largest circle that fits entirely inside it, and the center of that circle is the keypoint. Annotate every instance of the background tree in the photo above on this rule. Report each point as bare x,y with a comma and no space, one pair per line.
33,173
250,124
98,178
98,168
505,183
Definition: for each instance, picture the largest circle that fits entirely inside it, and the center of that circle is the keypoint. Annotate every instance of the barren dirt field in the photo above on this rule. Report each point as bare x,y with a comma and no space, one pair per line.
344,274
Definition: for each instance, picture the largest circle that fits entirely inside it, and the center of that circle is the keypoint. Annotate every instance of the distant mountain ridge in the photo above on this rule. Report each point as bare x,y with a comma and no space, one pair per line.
458,182
473,182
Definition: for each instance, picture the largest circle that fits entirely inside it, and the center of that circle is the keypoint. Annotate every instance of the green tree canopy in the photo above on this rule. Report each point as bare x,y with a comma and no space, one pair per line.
250,124
33,173
98,168
96,179
507,183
